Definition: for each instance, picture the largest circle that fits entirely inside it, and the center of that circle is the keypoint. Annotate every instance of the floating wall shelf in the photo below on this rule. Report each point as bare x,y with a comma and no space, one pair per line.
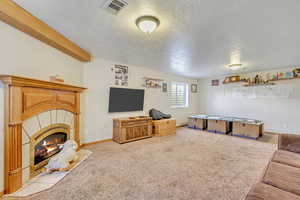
285,79
271,82
259,84
153,79
152,82
233,82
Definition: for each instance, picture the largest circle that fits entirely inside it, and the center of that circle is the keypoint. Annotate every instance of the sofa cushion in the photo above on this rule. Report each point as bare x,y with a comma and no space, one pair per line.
286,157
263,191
293,147
284,177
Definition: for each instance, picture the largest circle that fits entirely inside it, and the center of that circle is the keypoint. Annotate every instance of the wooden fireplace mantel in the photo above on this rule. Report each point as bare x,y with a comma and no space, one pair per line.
29,82
24,98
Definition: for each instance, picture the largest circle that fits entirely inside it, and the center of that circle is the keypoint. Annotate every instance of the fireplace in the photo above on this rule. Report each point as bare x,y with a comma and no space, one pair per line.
36,111
49,146
45,144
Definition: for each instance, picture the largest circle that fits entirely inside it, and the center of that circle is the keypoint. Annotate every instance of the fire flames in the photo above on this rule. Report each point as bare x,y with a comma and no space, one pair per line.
49,147
52,145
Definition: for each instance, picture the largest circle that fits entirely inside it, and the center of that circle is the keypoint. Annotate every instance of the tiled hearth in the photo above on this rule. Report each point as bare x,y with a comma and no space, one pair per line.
37,126
45,181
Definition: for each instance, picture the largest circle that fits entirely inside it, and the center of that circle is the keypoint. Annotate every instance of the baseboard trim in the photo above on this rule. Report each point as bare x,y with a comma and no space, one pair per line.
182,125
96,142
272,133
110,140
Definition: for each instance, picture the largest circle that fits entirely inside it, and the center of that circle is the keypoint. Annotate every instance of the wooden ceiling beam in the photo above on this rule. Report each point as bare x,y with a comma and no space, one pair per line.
16,16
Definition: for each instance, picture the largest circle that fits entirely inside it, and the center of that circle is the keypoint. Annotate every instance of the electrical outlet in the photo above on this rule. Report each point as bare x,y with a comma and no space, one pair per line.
285,125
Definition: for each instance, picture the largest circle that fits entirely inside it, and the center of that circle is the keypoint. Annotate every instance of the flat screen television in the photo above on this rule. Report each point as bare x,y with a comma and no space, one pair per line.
124,100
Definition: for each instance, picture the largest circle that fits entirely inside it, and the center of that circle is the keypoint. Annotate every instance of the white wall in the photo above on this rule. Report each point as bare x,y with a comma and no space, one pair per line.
279,114
25,56
98,78
1,138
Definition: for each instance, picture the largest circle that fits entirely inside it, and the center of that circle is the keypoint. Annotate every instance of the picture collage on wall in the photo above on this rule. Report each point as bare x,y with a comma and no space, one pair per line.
121,75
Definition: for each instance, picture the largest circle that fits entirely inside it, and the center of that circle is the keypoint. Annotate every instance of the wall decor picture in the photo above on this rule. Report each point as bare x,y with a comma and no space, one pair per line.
165,87
194,88
121,75
215,82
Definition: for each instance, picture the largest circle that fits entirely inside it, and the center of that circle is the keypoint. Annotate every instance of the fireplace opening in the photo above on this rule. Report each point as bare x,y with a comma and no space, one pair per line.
49,146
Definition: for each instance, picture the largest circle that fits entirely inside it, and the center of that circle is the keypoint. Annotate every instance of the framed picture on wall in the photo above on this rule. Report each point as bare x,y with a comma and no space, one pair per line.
215,82
164,87
121,75
194,88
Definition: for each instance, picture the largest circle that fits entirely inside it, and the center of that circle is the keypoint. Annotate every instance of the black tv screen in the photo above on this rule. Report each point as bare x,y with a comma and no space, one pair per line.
124,100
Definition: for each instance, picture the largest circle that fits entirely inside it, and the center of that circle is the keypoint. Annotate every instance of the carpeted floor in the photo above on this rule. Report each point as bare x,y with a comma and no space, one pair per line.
190,165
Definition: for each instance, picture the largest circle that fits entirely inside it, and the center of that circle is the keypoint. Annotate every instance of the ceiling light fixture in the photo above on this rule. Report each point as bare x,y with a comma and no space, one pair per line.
147,24
235,66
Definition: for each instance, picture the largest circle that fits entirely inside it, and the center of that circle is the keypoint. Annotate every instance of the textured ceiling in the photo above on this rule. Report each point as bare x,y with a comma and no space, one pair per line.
196,38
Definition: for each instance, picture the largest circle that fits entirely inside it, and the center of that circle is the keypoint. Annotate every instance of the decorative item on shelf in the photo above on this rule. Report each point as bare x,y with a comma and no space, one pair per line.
281,75
247,80
289,75
165,87
232,79
268,77
274,77
215,82
244,80
194,88
296,72
56,79
152,82
259,80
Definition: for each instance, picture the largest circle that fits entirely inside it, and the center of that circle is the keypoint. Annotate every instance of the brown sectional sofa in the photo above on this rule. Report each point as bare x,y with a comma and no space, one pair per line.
281,179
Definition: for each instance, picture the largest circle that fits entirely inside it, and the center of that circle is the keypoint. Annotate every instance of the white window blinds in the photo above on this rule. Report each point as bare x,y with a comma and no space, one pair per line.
178,95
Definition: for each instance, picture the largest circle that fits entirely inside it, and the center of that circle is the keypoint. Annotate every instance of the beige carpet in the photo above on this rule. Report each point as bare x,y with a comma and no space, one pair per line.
190,165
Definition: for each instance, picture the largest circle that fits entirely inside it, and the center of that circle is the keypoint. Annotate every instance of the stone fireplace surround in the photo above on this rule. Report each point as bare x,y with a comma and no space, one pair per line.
35,109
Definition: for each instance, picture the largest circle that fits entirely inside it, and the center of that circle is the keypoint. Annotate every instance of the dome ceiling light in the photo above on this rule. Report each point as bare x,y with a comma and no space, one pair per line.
147,24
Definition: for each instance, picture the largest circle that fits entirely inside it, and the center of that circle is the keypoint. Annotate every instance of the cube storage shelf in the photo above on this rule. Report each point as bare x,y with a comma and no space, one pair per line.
197,122
218,125
241,127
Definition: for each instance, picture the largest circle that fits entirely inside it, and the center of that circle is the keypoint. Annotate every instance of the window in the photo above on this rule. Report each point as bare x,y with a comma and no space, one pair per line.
178,96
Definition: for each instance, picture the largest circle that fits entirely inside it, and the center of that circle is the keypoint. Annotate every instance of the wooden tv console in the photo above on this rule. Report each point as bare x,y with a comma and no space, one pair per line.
131,128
